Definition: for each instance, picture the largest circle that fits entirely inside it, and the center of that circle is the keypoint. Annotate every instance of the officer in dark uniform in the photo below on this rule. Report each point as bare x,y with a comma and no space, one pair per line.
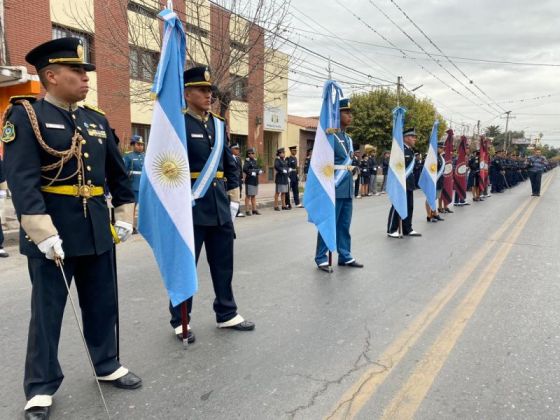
59,158
213,224
293,177
252,171
409,161
235,150
307,162
281,179
134,164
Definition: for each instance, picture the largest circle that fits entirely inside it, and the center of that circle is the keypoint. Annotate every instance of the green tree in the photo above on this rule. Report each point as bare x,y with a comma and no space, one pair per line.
373,118
493,131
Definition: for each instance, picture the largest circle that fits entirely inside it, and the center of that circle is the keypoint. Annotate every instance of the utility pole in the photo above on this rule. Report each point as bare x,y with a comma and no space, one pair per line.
399,85
329,69
478,127
506,133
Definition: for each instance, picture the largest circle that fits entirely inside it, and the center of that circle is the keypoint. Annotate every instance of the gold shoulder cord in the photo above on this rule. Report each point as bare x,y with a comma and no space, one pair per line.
75,151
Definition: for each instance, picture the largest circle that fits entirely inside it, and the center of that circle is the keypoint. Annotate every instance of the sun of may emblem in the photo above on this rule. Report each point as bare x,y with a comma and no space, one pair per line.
433,168
170,170
399,167
328,171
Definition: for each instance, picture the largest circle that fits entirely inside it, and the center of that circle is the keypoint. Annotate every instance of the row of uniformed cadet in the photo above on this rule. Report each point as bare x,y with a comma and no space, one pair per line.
61,159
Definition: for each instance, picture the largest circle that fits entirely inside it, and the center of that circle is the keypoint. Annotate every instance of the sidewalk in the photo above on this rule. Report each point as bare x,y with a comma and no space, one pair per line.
10,225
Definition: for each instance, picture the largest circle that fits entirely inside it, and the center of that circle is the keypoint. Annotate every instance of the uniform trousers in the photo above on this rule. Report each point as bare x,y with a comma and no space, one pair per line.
394,218
343,208
294,187
1,234
218,243
95,283
535,178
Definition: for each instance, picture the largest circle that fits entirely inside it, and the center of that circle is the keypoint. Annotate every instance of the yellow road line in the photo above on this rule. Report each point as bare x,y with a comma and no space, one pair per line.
407,401
366,386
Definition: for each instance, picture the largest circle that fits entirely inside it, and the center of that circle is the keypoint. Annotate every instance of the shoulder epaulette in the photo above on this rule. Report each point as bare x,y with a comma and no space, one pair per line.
217,116
94,108
16,98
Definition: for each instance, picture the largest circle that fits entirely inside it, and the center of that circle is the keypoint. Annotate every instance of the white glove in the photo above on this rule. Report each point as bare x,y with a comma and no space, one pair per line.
52,247
123,229
284,171
234,209
3,194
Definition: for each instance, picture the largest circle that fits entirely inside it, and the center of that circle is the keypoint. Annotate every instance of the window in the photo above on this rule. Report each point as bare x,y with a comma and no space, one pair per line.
142,130
143,64
197,30
87,39
142,9
239,46
239,87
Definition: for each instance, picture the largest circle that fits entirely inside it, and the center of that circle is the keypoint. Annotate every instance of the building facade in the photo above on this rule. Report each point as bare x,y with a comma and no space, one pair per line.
122,38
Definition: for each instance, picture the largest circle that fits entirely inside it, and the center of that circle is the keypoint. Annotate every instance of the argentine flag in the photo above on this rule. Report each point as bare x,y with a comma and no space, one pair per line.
428,177
319,196
165,209
396,178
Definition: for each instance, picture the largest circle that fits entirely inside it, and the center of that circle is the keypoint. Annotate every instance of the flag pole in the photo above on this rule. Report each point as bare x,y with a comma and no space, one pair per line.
330,262
185,324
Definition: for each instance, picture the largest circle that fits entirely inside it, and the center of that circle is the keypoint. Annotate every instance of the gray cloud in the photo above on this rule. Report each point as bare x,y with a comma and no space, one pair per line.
516,30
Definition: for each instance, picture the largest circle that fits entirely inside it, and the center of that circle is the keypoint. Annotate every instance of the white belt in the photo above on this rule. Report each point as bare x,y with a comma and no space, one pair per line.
343,167
136,172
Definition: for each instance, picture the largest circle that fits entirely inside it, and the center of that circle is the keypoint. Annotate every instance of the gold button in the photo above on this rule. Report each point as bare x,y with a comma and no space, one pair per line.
79,128
86,155
84,142
89,182
88,168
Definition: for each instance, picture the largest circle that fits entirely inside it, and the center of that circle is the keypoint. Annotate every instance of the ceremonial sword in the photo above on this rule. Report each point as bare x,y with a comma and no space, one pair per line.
59,263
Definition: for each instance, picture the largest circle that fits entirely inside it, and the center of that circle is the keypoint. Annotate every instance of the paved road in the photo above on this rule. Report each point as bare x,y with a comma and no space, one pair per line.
461,323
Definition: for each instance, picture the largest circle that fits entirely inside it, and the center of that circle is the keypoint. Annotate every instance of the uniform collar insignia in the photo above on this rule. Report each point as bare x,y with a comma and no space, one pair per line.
202,118
60,103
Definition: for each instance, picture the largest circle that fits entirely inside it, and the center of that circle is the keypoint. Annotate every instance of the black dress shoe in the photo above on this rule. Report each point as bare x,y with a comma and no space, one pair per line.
128,381
242,326
37,413
447,210
354,264
256,212
190,337
438,217
276,208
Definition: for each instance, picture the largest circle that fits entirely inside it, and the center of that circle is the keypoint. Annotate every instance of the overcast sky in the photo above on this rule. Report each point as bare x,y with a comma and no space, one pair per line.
516,31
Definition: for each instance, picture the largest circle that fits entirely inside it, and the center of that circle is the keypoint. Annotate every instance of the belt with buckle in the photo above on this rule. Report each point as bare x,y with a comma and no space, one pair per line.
84,191
219,175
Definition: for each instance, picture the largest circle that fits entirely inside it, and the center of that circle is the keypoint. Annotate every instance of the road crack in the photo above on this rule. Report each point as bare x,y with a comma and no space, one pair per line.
361,361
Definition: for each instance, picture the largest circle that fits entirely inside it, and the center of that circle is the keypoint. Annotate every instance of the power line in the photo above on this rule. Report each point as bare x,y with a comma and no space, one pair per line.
440,50
333,34
426,52
404,54
469,59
